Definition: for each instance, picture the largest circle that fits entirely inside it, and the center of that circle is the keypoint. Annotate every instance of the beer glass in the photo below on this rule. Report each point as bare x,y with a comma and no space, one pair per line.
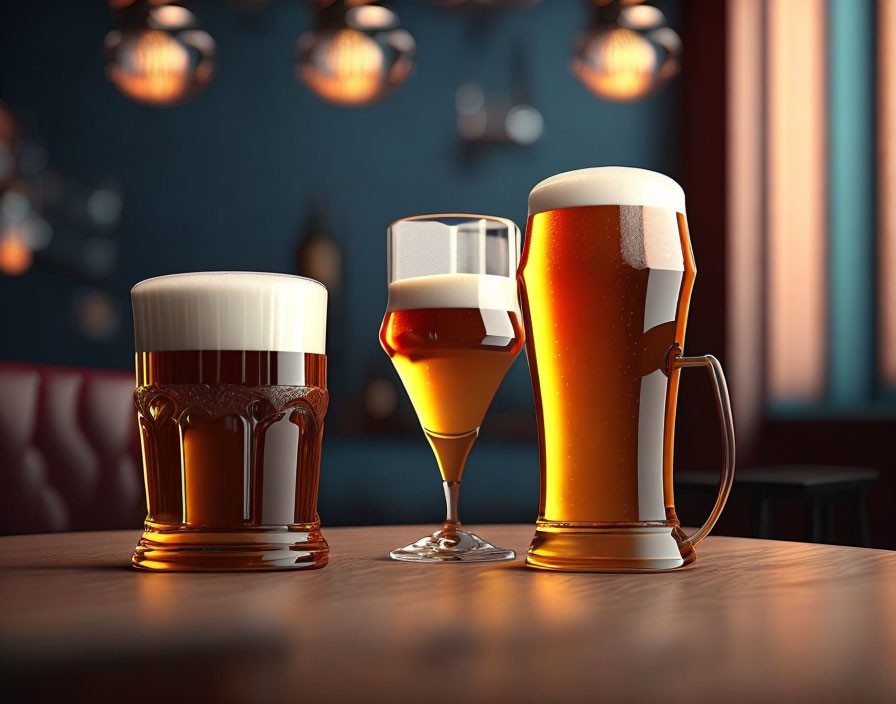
452,329
231,396
605,284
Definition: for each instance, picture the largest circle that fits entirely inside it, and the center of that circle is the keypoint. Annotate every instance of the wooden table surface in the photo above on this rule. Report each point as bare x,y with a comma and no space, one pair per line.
752,621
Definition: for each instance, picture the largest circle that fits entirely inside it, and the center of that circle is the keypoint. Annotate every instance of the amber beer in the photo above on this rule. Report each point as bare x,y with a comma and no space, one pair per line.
231,396
605,278
451,360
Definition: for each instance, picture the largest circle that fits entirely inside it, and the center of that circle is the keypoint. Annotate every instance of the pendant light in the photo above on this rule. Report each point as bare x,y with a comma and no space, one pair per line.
356,55
157,55
626,52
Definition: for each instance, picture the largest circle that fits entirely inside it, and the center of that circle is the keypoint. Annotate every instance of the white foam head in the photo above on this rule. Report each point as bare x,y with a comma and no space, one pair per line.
230,310
483,291
606,185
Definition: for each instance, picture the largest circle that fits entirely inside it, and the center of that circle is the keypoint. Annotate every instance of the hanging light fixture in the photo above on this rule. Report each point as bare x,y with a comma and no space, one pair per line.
356,55
157,54
627,52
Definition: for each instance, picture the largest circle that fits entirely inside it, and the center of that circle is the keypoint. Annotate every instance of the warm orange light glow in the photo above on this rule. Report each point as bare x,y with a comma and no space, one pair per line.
345,68
617,65
745,208
15,256
797,200
152,67
886,23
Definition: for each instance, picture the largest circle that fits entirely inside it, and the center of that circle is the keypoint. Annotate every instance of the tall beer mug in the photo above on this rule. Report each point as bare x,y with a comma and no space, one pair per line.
605,284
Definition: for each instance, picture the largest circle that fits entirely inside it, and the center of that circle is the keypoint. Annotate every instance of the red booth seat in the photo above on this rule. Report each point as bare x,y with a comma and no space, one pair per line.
69,450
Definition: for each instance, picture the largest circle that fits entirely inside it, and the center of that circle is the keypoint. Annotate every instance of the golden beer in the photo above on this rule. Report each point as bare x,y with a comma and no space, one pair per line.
451,362
605,290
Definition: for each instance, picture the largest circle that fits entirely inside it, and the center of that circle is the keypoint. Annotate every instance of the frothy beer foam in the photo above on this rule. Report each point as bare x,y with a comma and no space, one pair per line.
484,291
607,185
230,310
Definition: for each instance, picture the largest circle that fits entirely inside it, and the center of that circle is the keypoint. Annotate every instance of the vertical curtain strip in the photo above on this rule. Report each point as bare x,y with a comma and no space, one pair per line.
886,191
797,215
745,208
851,200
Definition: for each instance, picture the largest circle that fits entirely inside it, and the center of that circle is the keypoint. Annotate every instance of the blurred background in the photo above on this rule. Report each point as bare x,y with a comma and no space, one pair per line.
144,138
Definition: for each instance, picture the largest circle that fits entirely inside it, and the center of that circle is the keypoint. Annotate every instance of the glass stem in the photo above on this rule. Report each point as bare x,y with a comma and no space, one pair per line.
452,522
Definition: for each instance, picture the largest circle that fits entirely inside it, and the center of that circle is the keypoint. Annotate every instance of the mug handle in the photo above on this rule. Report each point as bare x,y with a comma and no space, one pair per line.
726,426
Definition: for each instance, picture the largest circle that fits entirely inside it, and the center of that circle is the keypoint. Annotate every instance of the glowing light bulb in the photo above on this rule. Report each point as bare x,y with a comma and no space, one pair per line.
158,56
618,64
153,67
355,57
627,52
345,68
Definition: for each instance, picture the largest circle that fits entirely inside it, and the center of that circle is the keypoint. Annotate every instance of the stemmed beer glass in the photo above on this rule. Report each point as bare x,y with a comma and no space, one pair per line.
452,329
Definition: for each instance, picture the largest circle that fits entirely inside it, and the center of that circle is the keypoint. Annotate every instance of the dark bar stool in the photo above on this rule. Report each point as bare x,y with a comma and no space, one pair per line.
819,487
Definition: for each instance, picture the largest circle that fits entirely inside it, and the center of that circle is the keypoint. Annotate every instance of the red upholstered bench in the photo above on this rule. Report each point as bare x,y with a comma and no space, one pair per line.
69,450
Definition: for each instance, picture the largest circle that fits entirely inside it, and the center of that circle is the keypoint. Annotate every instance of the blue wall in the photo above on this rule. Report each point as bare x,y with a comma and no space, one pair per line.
224,182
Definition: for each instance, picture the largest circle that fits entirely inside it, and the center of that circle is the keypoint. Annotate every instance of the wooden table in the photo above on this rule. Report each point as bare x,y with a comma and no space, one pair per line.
752,621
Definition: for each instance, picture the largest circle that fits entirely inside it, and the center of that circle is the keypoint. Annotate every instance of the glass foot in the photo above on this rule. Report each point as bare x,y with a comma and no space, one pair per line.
164,548
609,547
457,546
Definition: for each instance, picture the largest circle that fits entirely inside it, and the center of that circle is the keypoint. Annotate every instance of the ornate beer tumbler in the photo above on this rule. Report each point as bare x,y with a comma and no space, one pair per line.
231,396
